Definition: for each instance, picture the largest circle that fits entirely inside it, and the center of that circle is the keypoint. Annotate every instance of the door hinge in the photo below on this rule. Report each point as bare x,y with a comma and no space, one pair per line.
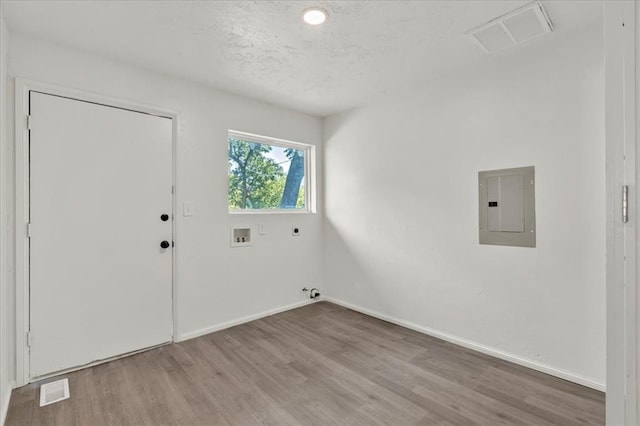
29,230
29,338
29,120
625,203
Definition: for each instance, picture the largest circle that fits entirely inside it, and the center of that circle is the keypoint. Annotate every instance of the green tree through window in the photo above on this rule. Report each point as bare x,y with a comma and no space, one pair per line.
263,176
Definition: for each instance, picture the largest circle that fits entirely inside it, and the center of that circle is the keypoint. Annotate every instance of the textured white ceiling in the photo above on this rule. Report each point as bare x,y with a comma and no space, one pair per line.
262,49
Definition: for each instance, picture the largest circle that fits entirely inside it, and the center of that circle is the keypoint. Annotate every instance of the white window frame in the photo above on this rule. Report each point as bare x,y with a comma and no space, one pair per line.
309,172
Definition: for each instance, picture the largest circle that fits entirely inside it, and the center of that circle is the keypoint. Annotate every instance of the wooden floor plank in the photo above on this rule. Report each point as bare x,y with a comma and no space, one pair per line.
317,365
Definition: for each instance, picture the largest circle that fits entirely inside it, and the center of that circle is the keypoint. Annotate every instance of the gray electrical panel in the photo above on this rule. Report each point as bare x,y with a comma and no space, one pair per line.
507,207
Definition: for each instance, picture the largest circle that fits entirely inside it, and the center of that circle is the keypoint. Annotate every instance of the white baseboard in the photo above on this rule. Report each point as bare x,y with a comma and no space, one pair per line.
566,375
233,323
4,404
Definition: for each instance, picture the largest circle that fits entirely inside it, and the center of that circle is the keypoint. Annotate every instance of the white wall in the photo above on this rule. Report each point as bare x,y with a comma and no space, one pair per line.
6,287
216,284
402,207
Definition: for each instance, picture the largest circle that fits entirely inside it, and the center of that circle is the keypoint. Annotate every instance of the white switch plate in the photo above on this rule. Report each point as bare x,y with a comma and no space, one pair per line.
187,208
261,229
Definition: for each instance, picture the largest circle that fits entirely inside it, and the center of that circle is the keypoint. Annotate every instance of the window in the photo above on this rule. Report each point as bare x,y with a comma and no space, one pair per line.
267,175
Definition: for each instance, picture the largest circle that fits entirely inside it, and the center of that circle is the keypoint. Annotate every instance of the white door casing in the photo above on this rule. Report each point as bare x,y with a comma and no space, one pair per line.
621,158
100,284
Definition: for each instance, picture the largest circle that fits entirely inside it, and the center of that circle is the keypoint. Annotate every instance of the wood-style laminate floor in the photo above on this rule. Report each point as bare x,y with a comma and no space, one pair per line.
317,365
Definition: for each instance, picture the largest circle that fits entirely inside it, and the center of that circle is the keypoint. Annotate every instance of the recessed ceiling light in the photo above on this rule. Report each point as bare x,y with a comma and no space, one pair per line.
314,16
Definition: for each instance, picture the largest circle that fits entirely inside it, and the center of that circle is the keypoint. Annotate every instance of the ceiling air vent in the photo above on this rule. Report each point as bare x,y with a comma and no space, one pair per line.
515,27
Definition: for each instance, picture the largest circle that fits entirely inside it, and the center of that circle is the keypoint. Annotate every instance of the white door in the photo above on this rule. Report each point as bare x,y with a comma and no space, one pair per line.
100,282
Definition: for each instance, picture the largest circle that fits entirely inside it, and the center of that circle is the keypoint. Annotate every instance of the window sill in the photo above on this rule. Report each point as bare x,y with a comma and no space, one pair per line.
282,211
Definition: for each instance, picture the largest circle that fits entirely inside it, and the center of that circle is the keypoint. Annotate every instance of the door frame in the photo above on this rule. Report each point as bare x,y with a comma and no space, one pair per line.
622,254
22,204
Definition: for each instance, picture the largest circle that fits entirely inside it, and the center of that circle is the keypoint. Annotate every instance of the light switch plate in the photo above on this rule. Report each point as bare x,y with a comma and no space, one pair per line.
187,208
